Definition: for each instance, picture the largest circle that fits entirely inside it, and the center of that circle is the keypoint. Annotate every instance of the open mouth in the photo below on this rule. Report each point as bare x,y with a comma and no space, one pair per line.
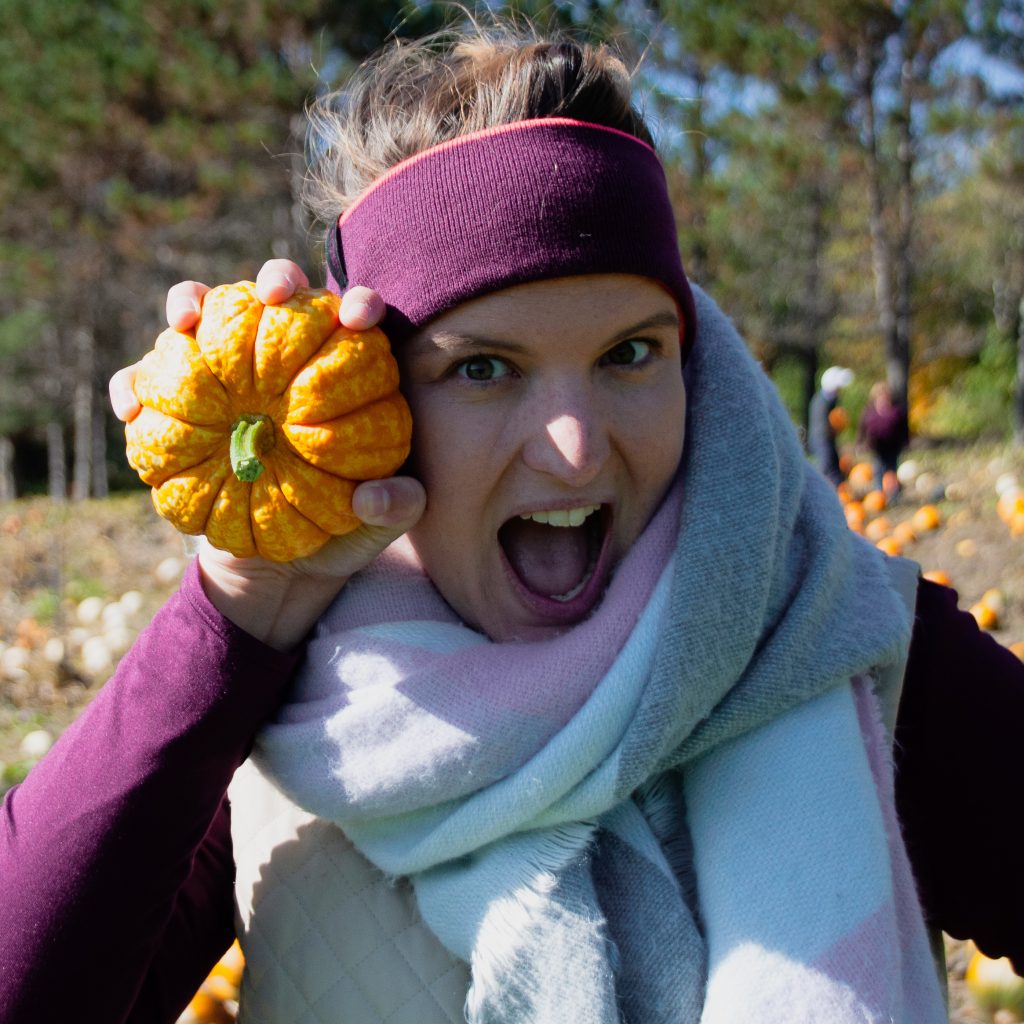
558,558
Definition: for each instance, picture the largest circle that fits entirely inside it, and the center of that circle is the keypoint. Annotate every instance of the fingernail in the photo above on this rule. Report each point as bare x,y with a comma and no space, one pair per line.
184,310
373,502
357,309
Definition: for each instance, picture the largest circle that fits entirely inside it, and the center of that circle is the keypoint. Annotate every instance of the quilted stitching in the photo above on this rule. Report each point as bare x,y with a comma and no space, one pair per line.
332,939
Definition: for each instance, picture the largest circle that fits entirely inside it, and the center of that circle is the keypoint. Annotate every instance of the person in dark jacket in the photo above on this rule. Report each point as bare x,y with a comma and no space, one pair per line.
884,429
821,438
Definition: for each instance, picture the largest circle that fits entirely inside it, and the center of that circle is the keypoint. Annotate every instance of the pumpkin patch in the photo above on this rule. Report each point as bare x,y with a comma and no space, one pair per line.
257,426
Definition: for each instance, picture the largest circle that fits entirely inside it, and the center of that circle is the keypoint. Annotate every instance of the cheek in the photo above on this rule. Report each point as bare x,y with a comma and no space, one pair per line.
656,433
444,455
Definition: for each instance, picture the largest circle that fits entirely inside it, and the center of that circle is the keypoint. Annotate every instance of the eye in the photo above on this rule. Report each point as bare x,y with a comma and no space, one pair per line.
483,368
627,353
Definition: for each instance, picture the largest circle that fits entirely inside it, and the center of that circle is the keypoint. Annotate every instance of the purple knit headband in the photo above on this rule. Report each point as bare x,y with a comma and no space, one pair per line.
522,202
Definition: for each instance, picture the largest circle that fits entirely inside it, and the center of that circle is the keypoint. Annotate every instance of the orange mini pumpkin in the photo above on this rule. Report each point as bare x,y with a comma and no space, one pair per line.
257,426
926,519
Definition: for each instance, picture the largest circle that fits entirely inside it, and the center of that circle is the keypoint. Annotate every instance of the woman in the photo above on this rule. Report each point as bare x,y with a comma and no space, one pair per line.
603,732
883,428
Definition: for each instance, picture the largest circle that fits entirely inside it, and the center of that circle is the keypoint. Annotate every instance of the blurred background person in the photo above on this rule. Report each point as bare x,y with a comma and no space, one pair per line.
826,420
884,429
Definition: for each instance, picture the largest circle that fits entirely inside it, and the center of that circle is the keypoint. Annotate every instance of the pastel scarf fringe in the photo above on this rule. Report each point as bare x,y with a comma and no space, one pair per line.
679,811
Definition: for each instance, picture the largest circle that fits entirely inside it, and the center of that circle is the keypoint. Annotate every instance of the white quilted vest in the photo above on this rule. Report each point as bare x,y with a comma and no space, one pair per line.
327,939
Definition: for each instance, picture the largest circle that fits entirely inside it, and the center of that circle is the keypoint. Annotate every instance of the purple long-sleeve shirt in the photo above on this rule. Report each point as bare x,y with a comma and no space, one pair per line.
116,870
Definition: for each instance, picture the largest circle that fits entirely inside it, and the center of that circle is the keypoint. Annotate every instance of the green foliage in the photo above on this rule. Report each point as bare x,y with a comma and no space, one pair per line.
12,773
788,377
981,402
44,606
145,143
78,588
22,403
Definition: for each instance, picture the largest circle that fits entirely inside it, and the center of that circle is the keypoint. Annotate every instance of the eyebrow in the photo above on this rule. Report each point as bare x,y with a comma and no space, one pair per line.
453,342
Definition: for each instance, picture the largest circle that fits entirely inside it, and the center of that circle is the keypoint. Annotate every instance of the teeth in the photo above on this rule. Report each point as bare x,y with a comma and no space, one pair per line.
570,594
562,516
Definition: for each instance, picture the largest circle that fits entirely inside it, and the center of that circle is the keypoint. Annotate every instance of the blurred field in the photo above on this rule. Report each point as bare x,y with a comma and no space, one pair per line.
64,571
78,582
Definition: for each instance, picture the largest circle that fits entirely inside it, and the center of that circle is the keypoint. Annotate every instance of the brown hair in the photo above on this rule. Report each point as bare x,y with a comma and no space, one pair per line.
414,95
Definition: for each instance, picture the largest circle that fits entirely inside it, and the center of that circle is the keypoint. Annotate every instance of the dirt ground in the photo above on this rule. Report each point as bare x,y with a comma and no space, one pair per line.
78,582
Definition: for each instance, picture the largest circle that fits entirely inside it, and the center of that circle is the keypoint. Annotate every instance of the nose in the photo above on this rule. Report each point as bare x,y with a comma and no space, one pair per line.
569,438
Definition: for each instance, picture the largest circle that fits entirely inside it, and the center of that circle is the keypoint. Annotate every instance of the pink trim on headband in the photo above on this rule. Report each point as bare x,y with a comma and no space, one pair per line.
483,133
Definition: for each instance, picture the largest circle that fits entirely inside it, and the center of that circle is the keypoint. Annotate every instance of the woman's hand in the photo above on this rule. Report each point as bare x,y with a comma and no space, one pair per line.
278,602
276,282
275,601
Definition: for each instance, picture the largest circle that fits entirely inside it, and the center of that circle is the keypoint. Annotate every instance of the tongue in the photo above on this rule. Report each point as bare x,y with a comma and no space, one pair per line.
550,560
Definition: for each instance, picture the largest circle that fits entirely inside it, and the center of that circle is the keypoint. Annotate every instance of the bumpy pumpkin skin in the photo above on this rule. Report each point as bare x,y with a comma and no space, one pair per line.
332,417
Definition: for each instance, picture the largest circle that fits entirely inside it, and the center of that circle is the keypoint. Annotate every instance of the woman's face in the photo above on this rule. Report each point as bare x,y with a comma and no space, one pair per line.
548,426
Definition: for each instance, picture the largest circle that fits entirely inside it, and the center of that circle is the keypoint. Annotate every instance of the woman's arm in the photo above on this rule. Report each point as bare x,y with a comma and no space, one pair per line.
200,929
98,844
114,847
960,776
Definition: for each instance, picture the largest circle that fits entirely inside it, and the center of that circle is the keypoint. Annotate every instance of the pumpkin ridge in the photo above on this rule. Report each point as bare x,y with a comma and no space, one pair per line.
264,538
219,451
349,410
213,508
272,469
379,351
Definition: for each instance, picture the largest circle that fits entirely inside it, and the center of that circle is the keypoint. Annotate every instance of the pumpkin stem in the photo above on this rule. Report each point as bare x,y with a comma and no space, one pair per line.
251,436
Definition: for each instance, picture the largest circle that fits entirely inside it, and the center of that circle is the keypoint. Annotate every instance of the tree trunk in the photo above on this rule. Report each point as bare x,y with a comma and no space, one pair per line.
100,477
809,358
814,303
7,489
1018,384
697,264
899,359
881,253
56,462
82,405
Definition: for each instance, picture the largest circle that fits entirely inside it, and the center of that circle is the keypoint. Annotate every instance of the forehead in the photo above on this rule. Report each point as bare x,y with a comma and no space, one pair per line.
597,306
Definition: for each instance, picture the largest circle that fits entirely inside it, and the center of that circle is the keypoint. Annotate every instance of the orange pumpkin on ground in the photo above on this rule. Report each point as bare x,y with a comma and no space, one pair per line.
862,478
855,516
1010,504
938,576
984,615
926,518
838,420
216,1000
891,546
257,426
878,528
874,502
994,985
905,533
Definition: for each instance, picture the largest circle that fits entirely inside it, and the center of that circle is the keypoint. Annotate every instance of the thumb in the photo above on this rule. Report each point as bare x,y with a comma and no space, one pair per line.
387,508
395,503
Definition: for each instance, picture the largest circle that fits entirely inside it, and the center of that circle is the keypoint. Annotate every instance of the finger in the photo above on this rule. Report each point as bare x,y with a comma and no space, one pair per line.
388,508
395,503
184,304
122,394
361,308
277,281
